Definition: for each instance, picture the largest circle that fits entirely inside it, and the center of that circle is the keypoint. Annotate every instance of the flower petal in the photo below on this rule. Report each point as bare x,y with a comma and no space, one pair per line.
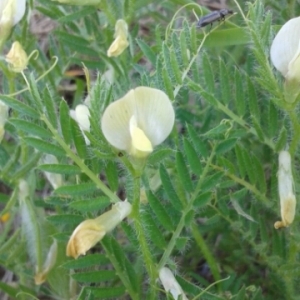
285,46
152,109
154,113
170,284
83,117
86,235
141,146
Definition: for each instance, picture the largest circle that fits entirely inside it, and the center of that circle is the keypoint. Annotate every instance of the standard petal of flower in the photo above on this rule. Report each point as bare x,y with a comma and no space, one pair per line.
285,45
115,122
154,113
19,11
86,235
12,11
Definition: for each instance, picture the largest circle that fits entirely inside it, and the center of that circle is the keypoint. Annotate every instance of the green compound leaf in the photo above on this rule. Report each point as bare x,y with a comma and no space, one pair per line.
87,261
225,146
202,199
115,292
45,147
79,140
160,212
31,128
169,188
20,107
60,169
112,175
183,173
77,189
50,107
69,219
90,205
147,51
159,155
154,232
95,276
192,157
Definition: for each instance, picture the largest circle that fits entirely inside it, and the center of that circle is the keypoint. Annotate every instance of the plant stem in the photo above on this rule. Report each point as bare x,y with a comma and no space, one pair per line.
84,168
150,266
296,132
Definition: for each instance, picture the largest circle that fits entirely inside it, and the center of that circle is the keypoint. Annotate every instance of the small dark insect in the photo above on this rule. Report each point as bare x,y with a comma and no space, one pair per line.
218,15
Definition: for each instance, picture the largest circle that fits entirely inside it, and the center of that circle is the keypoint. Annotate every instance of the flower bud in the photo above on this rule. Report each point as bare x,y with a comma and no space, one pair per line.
17,58
81,115
88,233
286,192
170,284
120,43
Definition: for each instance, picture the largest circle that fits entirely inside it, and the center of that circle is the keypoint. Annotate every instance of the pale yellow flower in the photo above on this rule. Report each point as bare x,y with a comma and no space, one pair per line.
88,233
120,43
285,50
286,191
170,284
285,56
17,58
139,121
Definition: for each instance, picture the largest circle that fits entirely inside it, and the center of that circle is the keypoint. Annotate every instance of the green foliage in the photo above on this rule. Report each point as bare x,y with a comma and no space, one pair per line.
203,203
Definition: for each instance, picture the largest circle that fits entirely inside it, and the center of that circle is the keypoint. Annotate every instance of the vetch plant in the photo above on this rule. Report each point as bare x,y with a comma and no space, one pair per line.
139,121
192,196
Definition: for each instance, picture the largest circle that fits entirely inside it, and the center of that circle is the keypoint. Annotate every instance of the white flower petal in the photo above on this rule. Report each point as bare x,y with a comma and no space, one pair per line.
154,115
83,117
170,283
19,11
286,190
285,46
